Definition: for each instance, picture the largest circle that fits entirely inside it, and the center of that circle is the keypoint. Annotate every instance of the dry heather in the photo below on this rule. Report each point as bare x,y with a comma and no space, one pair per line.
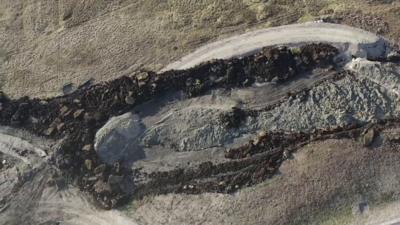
47,44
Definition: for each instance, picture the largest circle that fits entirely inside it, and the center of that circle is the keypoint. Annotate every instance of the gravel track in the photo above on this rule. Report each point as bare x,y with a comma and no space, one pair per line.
290,34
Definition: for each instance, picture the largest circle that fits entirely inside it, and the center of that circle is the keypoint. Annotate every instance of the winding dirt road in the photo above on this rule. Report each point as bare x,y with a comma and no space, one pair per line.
71,206
290,34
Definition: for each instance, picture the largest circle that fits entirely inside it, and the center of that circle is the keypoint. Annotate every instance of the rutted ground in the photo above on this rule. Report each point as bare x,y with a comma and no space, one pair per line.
33,192
78,116
233,135
324,183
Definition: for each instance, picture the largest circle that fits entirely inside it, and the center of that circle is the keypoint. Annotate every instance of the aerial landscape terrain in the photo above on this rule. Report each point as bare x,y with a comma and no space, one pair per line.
145,112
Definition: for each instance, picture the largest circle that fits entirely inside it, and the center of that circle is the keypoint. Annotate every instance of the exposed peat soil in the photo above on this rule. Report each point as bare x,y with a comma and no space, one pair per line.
74,119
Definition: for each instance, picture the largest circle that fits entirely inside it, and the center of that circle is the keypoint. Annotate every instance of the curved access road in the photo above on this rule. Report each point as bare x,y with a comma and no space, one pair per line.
290,34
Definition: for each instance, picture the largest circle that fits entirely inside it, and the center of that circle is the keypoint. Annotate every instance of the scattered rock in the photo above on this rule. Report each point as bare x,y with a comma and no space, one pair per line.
33,120
89,164
129,100
142,76
117,167
50,131
100,169
92,179
64,161
60,126
262,134
55,122
78,113
141,84
88,117
64,110
101,187
68,88
114,203
394,56
99,102
286,154
369,137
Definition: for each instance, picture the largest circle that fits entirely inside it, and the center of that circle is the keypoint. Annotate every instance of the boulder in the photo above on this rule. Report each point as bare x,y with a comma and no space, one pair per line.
50,131
87,148
60,126
78,113
89,164
142,76
369,137
64,110
129,100
394,56
115,141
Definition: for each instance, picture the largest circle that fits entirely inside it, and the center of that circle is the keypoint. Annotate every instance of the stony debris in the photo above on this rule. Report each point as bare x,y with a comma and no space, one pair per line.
78,113
254,162
351,100
79,117
369,137
87,148
129,100
50,131
384,74
60,126
88,164
68,88
272,141
100,169
233,118
102,187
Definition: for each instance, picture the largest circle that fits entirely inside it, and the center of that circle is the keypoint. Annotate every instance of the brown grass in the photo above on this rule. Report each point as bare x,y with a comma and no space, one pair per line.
73,40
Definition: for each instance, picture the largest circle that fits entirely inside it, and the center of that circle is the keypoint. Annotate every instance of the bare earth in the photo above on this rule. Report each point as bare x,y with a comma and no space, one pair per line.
323,184
290,34
47,44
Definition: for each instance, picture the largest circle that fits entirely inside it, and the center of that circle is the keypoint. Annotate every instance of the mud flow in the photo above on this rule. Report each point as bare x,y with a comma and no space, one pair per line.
218,127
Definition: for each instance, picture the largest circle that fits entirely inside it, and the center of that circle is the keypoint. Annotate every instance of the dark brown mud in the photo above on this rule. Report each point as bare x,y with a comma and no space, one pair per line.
76,117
